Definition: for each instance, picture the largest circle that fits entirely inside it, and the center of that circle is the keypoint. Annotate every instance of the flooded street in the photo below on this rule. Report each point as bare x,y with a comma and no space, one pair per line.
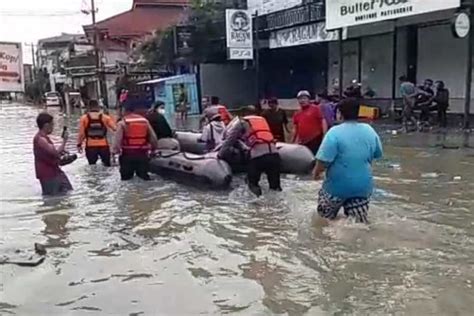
161,248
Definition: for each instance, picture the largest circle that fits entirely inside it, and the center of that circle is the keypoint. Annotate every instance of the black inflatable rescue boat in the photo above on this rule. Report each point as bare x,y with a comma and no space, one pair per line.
191,168
295,159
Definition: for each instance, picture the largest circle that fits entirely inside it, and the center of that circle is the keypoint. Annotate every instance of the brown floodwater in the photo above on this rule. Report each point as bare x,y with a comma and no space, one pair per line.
162,248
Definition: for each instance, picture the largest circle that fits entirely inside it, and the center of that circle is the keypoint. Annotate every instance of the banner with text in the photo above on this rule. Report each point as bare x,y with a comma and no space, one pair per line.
11,67
269,6
239,34
344,13
301,35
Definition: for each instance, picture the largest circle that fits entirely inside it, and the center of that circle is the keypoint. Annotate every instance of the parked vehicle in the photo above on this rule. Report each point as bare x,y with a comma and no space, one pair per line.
53,99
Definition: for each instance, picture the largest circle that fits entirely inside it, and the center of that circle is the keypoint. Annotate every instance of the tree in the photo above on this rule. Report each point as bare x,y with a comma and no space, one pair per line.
208,19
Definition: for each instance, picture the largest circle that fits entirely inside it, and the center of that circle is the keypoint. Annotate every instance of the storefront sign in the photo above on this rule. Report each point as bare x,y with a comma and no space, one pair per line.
182,39
11,67
240,53
344,13
239,30
268,6
461,25
312,12
301,35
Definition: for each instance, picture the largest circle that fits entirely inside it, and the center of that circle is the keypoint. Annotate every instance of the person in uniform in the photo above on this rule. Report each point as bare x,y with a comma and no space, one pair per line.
93,128
133,141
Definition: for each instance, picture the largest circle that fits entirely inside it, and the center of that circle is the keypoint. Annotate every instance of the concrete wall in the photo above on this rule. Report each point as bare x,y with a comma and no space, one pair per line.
233,85
377,61
351,64
112,57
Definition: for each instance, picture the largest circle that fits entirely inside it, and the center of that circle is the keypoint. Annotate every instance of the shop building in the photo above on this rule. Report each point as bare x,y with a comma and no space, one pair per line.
298,52
421,46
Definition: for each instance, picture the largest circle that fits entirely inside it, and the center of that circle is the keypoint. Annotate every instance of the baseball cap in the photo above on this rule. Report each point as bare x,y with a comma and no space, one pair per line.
303,93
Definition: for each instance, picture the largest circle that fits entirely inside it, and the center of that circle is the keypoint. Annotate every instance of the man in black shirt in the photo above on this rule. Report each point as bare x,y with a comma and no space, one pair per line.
276,119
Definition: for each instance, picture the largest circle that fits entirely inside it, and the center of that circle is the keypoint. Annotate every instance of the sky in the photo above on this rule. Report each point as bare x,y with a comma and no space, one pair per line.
27,21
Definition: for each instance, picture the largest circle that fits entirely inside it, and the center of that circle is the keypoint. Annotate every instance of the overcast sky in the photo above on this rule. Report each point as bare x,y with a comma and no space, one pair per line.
28,21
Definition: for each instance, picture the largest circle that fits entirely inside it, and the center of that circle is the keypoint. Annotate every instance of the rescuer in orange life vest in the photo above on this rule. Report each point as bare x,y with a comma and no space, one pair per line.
215,106
133,141
252,135
93,128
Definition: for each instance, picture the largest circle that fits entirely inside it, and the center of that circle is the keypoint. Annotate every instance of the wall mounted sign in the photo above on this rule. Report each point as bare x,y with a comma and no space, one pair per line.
239,34
461,25
344,13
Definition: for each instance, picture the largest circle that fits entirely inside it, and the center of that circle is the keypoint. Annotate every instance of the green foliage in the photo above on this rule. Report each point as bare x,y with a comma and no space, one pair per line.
209,27
158,50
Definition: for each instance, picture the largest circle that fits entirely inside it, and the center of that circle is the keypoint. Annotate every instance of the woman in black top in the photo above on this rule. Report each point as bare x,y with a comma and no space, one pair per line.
158,121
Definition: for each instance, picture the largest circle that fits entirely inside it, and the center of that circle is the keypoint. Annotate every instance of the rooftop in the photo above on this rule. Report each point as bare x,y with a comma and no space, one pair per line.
138,3
139,21
63,38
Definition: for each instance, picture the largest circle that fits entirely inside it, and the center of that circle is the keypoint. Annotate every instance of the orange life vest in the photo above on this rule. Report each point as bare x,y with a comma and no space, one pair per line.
260,131
225,115
135,135
96,128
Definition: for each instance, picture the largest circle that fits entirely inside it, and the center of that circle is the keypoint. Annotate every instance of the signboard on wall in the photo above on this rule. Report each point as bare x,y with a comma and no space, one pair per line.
268,6
11,67
182,39
344,13
239,33
301,35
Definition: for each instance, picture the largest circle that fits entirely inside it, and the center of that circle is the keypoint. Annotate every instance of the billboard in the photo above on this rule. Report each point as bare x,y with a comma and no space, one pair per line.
11,68
239,33
344,13
302,35
269,6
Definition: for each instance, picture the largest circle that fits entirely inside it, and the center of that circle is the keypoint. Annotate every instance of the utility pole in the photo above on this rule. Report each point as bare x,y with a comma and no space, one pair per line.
468,96
33,73
96,51
341,62
257,62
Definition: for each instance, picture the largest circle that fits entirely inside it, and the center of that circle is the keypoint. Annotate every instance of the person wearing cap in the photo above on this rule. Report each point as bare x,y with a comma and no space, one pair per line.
346,155
226,117
213,131
133,141
276,119
252,135
309,122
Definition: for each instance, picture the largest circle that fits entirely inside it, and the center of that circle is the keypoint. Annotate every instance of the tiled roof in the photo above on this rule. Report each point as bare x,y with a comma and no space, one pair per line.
63,38
139,21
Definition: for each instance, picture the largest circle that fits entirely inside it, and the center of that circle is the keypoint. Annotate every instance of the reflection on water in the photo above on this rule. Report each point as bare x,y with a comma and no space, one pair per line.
164,248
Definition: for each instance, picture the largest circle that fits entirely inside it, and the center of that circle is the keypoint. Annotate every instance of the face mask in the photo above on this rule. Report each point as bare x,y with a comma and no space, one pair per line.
161,111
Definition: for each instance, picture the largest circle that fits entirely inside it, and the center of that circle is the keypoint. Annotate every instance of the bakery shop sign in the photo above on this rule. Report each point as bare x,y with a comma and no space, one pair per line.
345,13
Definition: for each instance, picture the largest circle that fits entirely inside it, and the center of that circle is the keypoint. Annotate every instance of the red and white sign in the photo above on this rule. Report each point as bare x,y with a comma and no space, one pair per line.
11,68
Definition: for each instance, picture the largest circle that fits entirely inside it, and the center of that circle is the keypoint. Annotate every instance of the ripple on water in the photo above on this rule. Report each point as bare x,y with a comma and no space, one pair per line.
142,248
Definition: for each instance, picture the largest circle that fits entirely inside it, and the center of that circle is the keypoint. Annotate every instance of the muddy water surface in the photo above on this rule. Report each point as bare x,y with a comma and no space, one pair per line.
161,248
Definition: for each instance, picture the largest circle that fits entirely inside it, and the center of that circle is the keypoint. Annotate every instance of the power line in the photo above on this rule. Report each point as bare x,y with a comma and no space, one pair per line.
38,14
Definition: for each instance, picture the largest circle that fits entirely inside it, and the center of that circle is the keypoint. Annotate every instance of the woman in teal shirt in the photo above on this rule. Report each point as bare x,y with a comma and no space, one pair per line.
346,154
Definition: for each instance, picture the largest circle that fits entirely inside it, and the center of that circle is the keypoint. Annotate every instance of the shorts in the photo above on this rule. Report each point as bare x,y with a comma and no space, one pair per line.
93,154
329,206
55,186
